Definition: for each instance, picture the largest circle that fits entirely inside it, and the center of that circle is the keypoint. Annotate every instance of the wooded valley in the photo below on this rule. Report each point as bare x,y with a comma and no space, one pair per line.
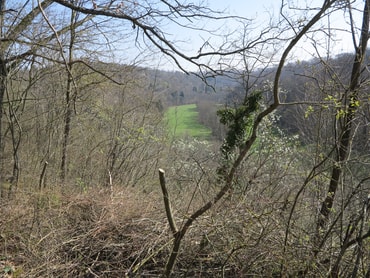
251,162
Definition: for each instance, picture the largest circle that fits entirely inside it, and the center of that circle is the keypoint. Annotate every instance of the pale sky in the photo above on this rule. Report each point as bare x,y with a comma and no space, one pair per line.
247,8
261,11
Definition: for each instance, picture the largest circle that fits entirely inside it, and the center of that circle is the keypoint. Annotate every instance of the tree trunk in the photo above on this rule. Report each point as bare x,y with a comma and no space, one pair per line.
67,128
3,75
70,97
345,133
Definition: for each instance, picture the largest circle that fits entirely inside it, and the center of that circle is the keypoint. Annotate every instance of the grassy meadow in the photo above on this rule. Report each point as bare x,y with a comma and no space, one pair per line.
183,121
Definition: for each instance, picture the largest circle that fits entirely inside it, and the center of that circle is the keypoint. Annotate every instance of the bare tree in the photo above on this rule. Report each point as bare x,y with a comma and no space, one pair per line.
146,21
17,52
244,145
339,181
9,59
346,115
143,20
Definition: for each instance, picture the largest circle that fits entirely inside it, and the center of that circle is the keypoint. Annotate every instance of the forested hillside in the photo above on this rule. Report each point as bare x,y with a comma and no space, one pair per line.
299,85
96,182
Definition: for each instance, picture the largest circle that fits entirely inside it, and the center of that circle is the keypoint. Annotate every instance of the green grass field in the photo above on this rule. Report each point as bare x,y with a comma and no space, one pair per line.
183,121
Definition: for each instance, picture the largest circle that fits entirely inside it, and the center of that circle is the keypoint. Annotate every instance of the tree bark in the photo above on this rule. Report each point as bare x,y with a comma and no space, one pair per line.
345,134
69,99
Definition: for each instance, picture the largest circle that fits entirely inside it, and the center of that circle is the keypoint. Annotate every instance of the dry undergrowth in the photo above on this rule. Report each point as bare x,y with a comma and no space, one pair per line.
98,233
91,234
